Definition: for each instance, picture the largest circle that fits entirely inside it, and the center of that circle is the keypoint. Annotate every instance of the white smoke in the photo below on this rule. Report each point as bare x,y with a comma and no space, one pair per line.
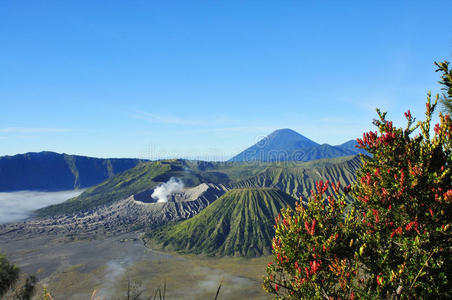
161,192
114,270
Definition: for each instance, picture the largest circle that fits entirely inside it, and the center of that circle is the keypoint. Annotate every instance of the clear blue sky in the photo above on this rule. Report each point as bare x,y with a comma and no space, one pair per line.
208,78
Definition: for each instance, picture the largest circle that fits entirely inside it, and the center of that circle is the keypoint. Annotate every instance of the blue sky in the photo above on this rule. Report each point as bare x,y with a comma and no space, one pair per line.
206,79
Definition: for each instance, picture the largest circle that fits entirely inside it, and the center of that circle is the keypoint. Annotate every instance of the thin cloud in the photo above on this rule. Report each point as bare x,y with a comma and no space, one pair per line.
205,121
341,128
33,130
371,104
241,129
165,119
335,120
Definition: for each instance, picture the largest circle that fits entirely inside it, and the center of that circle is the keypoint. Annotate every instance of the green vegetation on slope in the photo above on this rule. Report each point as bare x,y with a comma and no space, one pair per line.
144,176
296,179
299,179
116,188
239,223
12,286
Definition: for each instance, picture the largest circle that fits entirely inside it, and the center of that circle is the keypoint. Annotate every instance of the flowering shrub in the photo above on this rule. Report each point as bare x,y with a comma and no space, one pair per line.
393,241
314,248
404,198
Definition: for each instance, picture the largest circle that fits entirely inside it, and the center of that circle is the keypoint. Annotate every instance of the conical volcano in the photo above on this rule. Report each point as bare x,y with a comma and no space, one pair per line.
288,145
280,145
239,223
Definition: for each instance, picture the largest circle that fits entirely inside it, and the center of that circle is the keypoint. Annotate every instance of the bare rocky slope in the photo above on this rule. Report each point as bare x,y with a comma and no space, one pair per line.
129,214
123,203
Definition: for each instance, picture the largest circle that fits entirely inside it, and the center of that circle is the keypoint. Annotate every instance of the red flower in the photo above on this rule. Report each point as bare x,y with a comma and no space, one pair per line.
408,115
310,230
336,186
285,223
306,226
347,189
448,196
437,128
376,214
398,231
409,226
321,186
377,172
313,226
314,266
364,199
379,279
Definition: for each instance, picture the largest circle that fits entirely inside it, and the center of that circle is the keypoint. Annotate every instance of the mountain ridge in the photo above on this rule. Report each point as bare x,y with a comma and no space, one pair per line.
51,171
289,145
294,178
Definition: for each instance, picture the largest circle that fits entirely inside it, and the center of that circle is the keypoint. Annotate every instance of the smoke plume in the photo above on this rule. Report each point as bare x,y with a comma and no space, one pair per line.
161,192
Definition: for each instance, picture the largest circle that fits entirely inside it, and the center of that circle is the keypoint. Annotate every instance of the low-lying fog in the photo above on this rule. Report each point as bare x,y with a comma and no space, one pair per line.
16,206
72,270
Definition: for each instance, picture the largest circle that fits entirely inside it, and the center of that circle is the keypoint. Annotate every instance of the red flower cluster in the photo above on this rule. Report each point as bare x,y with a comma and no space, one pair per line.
310,229
336,186
387,138
321,186
410,225
313,268
408,115
369,138
366,179
376,215
379,279
397,231
448,196
402,202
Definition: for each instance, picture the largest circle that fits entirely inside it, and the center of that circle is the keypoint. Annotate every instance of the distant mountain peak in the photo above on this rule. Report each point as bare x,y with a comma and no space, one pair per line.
284,131
279,145
288,145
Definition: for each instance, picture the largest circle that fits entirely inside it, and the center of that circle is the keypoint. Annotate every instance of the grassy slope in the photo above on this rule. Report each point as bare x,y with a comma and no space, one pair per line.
299,179
144,176
293,178
240,223
117,187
